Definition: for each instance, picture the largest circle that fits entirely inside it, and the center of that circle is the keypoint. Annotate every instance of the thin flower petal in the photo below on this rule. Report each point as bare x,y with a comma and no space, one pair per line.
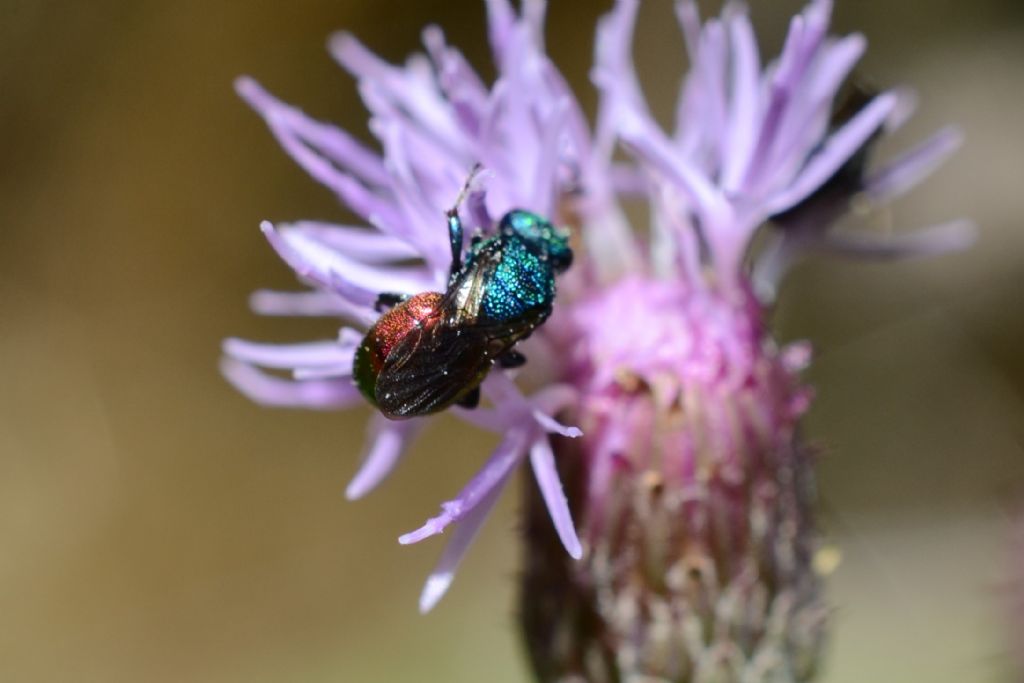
906,105
270,390
811,111
462,537
839,147
357,282
744,105
937,239
323,371
492,476
314,303
711,68
491,419
412,89
352,191
500,24
317,271
387,441
835,64
367,246
543,462
308,354
553,426
374,278
456,77
647,141
543,186
782,84
331,142
912,167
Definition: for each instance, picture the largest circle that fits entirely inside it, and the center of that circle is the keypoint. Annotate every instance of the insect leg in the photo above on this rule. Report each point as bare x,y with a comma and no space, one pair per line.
470,400
511,359
388,300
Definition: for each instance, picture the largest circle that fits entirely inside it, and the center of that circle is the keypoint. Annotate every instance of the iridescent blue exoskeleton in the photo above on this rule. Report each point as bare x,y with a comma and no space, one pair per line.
432,350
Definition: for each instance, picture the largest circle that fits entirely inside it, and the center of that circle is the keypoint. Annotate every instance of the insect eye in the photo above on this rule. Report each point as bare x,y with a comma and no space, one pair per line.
561,259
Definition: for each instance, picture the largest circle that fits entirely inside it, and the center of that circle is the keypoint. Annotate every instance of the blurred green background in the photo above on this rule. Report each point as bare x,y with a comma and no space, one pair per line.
156,526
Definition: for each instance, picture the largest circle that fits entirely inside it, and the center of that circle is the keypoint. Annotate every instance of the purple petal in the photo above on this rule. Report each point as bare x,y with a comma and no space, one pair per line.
323,371
552,425
490,478
912,167
745,104
426,179
411,89
518,410
456,77
839,147
544,184
906,105
643,137
316,303
358,282
688,15
533,12
543,462
462,537
388,440
614,75
835,64
490,419
712,65
577,128
314,271
476,207
309,354
937,239
365,202
270,390
329,141
368,246
781,87
503,392
348,339
817,16
374,208
500,23
809,116
777,136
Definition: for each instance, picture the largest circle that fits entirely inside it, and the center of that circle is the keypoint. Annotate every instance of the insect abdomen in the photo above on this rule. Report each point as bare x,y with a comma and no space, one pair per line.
385,334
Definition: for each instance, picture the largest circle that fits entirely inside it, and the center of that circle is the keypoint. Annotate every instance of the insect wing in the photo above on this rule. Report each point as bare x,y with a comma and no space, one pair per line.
431,368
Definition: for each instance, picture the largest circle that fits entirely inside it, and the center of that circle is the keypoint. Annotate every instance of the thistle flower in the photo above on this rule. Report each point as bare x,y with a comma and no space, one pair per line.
435,119
690,486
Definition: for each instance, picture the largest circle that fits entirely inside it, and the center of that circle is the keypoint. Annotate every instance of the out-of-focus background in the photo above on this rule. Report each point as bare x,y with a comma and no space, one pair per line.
156,526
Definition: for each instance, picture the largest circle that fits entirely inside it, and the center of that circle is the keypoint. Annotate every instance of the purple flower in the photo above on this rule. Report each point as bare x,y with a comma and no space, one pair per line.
691,486
752,142
435,119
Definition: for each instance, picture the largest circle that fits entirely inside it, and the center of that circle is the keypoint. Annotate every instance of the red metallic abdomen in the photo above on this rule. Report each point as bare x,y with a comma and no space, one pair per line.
386,333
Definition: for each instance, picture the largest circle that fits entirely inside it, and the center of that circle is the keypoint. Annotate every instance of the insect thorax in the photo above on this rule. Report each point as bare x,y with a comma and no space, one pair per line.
521,286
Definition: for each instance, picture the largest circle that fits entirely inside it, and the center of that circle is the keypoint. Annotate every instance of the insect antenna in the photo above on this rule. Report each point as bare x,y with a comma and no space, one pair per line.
455,224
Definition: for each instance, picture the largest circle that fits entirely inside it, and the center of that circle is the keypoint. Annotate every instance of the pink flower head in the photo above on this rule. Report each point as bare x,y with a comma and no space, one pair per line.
646,329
